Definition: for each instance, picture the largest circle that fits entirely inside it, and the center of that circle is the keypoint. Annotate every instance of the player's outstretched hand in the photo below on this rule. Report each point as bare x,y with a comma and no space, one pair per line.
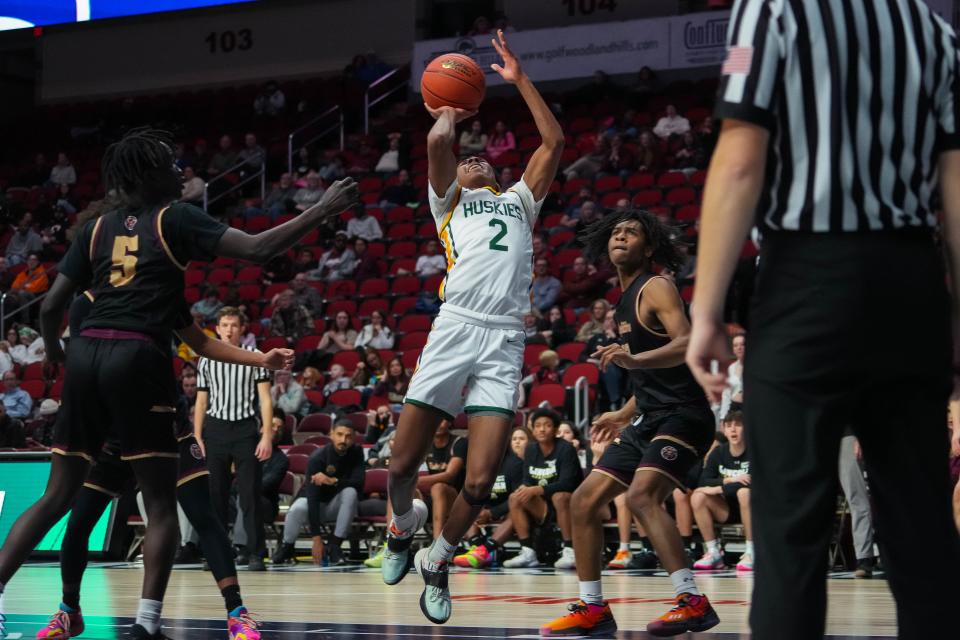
340,196
709,344
615,354
459,115
510,71
278,359
607,426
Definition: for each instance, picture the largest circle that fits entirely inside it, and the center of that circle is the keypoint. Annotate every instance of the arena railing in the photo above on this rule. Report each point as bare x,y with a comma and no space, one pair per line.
259,174
388,84
333,115
581,405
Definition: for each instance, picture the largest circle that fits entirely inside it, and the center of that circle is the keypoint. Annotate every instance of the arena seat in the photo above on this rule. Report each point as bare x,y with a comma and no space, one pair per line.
345,398
276,342
320,441
583,369
405,285
347,359
531,354
554,394
298,461
570,351
314,423
413,340
373,287
415,322
370,305
307,343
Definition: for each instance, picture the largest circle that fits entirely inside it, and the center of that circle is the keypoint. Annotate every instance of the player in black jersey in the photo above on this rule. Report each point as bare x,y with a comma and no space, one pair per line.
111,477
669,427
119,379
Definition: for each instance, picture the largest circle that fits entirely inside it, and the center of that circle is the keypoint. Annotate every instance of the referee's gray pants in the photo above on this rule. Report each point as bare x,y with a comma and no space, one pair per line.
855,489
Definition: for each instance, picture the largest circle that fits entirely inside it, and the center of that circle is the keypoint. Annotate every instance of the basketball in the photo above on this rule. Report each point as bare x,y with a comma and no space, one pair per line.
453,80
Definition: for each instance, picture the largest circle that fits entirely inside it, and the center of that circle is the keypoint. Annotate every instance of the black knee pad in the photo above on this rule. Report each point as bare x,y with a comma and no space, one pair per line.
472,500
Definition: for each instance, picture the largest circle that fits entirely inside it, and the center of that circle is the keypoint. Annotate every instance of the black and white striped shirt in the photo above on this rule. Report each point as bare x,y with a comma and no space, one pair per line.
232,388
859,95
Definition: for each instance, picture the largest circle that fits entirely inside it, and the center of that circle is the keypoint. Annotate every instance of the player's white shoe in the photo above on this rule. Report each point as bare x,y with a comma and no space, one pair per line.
567,560
526,558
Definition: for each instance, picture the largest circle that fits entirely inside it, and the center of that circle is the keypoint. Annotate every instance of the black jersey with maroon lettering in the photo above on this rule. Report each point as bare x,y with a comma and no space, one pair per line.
654,389
132,261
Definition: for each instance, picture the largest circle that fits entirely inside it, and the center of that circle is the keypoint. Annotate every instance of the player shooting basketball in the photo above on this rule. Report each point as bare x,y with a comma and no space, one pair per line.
477,341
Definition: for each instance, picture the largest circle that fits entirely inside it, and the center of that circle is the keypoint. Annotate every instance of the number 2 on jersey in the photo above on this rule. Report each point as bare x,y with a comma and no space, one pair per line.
124,260
495,241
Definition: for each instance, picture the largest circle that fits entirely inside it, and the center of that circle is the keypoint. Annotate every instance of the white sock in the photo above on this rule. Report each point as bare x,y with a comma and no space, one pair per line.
749,548
712,547
404,522
441,550
683,582
624,546
591,592
148,615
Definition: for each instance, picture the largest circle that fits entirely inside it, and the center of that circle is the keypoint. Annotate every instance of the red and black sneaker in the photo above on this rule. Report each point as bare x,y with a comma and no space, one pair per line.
691,613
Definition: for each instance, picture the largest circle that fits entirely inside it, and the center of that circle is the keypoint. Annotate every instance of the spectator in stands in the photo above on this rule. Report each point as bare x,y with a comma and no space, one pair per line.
376,333
340,337
305,163
531,330
545,289
188,392
691,154
363,225
192,187
198,157
379,424
305,295
500,141
338,381
43,429
24,242
611,379
506,178
29,283
646,83
581,217
648,154
335,475
11,430
551,473
6,361
370,370
252,154
732,397
389,161
724,495
430,263
394,386
305,262
337,262
290,320
481,27
309,195
280,199
224,159
671,124
594,326
473,142
620,161
18,402
582,284
334,169
622,205
540,247
571,434
38,173
548,372
287,394
587,166
271,101
367,266
364,160
6,276
554,327
65,202
29,348
443,472
401,194
63,172
209,305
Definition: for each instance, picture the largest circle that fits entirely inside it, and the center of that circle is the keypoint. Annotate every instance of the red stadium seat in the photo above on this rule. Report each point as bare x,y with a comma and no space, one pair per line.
315,397
413,340
315,423
405,285
367,307
347,359
56,391
407,264
359,419
531,354
256,224
560,238
375,482
698,179
307,343
402,230
341,289
33,371
320,441
249,292
223,261
402,305
566,257
400,214
570,351
427,230
274,289
415,322
373,287
648,198
249,274
573,186
432,283
583,369
402,249
337,306
410,358
288,486
298,461
191,295
687,293
688,213
35,388
220,276
681,196
277,342
345,398
639,181
609,201
554,394
377,249
672,179
608,183
193,277
374,402
371,184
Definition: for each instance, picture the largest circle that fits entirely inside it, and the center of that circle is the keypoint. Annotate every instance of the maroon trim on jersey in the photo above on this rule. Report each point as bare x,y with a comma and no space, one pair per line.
94,235
115,334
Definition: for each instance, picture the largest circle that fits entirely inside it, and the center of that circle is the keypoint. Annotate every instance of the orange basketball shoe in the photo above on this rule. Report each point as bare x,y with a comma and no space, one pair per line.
583,620
691,613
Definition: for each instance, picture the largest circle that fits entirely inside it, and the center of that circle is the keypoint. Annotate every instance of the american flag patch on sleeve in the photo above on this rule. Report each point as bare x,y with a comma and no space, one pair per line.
739,61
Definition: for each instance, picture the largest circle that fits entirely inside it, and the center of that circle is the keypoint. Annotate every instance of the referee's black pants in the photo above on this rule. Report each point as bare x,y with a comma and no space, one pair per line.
849,330
235,443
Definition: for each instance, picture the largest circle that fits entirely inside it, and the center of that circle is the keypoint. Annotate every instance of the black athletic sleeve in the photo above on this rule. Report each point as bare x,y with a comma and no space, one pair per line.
460,449
274,471
356,473
529,460
710,476
191,233
569,473
76,263
513,472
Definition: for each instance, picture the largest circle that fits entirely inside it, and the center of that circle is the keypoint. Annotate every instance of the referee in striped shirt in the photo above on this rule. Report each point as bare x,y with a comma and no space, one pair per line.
840,123
226,428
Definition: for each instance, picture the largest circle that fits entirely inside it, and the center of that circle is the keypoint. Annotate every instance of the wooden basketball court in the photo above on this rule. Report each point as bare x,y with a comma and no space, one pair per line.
319,604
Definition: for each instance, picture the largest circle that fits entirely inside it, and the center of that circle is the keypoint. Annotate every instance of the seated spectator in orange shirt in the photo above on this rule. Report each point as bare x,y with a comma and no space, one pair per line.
28,284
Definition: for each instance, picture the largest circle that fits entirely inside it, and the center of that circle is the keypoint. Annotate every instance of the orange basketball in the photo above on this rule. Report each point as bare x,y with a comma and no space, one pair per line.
453,80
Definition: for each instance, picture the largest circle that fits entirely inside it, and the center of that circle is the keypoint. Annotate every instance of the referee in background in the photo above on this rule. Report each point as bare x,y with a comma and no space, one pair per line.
226,428
840,122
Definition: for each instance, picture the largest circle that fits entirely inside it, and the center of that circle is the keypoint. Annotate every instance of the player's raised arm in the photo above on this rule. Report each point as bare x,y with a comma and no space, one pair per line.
543,165
442,163
259,248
